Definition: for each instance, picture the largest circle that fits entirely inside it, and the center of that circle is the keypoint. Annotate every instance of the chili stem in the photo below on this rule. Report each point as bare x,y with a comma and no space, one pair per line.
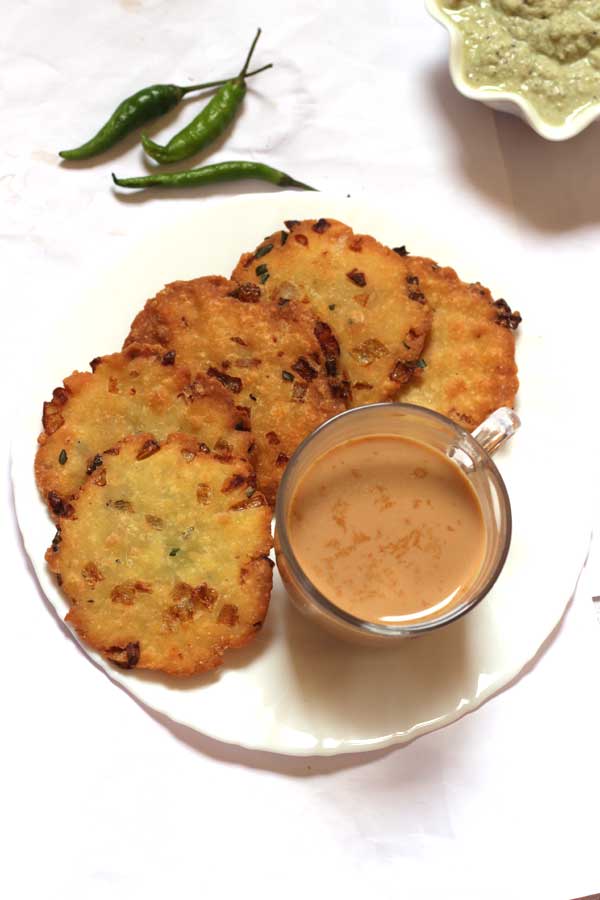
249,57
209,84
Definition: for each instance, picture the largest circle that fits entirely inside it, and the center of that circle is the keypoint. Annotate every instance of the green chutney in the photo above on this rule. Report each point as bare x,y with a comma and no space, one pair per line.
548,51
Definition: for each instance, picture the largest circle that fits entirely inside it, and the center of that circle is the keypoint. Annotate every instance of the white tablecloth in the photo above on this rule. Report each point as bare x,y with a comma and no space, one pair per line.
102,798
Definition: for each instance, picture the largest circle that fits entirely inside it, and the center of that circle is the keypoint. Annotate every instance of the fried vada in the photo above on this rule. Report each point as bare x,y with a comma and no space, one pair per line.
140,389
359,288
276,359
469,368
164,560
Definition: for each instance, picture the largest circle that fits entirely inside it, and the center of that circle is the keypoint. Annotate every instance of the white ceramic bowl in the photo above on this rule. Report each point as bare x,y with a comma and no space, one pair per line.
506,101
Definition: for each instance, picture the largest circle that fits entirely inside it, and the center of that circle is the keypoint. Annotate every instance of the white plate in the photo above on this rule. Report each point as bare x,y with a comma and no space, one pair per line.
297,690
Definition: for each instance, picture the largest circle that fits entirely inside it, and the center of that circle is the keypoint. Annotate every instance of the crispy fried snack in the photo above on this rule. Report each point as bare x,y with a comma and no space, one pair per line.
274,358
139,389
164,560
359,288
470,354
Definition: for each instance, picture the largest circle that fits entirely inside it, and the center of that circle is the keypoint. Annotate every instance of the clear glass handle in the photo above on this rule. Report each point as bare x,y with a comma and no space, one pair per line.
497,429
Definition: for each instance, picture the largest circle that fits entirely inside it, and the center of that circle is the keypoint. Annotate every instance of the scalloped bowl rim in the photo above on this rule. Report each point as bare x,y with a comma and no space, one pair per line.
574,124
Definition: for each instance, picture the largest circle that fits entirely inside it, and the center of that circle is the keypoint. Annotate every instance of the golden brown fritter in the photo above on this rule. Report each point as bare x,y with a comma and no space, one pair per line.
359,288
469,357
164,560
140,389
272,357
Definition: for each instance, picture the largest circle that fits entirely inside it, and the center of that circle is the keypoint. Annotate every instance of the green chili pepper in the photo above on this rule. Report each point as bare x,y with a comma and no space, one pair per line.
225,171
208,125
140,108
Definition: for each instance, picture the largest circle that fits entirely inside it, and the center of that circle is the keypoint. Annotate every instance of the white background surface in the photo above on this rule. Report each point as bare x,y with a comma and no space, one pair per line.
101,798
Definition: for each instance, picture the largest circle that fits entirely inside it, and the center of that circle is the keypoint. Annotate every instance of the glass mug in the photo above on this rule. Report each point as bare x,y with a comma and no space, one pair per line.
471,452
